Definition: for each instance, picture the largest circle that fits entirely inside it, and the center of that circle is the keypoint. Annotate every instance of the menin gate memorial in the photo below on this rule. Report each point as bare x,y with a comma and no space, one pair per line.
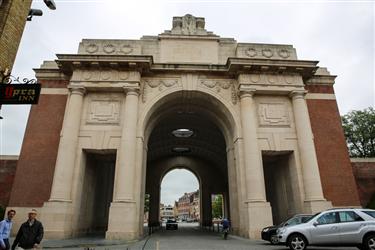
264,127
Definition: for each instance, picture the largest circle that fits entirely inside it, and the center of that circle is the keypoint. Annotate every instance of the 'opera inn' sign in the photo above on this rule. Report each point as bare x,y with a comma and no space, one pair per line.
19,93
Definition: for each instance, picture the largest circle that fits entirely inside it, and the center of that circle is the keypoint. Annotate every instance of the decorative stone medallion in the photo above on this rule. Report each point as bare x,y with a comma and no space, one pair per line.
254,78
267,53
123,75
109,48
284,53
126,49
250,52
92,48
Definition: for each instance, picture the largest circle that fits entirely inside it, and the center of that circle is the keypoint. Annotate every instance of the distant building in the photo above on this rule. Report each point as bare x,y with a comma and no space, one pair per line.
184,206
188,206
166,212
175,209
195,206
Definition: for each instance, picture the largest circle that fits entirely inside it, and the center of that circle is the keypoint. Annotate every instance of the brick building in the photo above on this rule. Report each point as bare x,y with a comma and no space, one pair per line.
8,165
364,172
183,207
13,14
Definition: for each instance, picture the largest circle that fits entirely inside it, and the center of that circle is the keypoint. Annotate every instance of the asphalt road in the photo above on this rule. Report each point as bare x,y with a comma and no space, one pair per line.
189,236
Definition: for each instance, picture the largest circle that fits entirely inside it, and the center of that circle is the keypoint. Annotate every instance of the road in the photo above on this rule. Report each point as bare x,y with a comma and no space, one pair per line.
190,236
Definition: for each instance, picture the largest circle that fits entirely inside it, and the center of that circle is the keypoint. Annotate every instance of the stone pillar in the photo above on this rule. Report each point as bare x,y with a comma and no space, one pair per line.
57,212
259,210
123,220
61,190
314,199
206,211
234,193
154,215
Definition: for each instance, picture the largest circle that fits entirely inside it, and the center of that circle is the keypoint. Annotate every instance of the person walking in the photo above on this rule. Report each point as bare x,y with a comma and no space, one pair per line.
30,233
225,223
5,228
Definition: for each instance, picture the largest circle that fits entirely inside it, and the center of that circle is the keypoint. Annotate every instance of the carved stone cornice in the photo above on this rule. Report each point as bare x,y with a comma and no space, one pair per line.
105,75
50,71
71,62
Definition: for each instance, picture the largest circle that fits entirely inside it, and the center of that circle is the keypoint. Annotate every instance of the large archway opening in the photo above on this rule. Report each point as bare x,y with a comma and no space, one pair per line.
180,197
190,131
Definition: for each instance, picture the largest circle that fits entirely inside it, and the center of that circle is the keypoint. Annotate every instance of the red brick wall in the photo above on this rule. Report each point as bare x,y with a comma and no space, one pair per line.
326,89
334,163
364,173
34,175
7,171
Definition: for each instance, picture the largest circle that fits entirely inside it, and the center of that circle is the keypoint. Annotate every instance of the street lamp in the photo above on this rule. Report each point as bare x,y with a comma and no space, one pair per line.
37,12
50,4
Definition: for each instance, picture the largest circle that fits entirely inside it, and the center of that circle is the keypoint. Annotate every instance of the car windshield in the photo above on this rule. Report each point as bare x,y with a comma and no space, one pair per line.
312,217
283,223
295,220
171,221
369,212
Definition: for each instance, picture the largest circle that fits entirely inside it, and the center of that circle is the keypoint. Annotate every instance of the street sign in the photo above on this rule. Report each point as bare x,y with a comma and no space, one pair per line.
19,93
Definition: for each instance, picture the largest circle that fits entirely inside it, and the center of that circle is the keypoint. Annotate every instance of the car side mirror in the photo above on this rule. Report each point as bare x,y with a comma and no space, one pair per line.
315,224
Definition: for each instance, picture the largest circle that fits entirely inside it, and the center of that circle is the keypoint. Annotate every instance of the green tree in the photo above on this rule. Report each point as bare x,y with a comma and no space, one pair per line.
217,207
147,203
359,129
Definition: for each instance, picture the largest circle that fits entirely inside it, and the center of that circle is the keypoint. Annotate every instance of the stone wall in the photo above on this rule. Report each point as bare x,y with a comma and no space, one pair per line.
8,165
364,172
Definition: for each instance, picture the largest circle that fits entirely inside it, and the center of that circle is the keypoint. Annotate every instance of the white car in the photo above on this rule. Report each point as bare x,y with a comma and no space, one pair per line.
334,227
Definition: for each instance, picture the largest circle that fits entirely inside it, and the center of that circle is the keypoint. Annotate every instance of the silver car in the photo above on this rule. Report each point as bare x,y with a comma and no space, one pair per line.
339,227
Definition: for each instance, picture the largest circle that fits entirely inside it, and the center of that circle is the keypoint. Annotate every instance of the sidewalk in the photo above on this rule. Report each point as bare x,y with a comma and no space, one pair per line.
93,242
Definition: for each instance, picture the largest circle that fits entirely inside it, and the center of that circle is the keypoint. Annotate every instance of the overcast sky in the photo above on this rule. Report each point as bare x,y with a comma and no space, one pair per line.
175,184
340,34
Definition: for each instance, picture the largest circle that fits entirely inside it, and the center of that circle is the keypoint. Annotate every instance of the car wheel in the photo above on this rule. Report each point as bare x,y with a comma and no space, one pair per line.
369,242
297,242
274,240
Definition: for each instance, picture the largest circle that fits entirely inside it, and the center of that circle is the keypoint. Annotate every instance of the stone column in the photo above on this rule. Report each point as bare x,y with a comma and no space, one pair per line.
206,205
314,199
126,156
259,210
61,187
154,214
123,219
57,212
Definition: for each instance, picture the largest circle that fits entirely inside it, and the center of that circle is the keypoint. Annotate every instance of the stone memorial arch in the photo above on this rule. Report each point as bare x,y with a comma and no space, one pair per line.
263,130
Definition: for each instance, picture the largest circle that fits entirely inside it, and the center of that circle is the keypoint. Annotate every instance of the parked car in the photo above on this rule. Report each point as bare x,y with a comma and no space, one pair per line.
189,220
338,227
269,233
171,225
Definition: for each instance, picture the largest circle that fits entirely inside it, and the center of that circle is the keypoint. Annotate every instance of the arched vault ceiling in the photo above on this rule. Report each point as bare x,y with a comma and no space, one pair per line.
206,143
